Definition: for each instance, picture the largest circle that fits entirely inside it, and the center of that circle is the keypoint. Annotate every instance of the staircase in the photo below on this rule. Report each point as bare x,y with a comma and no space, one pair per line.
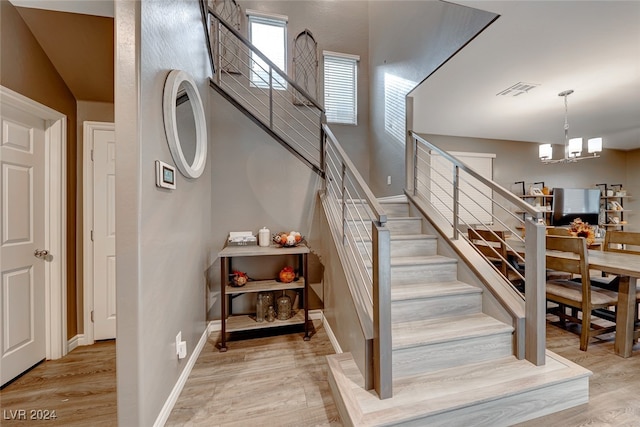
452,364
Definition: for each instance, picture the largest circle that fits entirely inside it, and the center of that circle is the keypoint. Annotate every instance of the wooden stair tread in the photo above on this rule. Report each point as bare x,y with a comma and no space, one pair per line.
421,260
446,329
449,389
430,290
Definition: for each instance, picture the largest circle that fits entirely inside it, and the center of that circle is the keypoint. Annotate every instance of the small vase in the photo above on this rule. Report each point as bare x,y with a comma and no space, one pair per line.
284,306
271,314
259,309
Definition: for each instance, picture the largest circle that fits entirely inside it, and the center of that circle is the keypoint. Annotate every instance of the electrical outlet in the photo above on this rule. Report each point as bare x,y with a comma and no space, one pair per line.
389,180
182,350
181,346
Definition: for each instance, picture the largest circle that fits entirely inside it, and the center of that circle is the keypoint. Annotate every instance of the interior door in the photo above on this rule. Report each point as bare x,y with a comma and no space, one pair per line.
104,234
23,252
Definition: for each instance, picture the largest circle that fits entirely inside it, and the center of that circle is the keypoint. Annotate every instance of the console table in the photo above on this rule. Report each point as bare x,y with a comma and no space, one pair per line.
233,323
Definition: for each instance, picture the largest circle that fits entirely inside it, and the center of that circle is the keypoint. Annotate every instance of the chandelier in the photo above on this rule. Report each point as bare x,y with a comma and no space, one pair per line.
573,146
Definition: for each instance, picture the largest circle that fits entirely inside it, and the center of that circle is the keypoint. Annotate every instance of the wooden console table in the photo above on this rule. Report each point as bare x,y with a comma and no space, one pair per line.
233,323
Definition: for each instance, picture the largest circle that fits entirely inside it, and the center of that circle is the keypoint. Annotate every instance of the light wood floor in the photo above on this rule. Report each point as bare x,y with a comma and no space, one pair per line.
282,381
271,381
80,388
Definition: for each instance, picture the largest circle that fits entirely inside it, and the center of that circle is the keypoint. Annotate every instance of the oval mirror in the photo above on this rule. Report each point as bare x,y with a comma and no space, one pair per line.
185,123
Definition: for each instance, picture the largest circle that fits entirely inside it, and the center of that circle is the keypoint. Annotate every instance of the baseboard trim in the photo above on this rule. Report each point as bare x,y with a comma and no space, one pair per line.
163,416
214,326
74,342
332,337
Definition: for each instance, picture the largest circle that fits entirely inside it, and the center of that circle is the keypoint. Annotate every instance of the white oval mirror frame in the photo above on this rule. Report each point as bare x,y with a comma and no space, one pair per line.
170,96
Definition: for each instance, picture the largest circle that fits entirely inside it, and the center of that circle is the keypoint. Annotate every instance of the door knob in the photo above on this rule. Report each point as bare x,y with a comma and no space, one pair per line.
41,253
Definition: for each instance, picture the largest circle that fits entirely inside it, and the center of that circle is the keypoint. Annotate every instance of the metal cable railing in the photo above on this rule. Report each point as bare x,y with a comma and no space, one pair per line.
492,219
265,91
360,222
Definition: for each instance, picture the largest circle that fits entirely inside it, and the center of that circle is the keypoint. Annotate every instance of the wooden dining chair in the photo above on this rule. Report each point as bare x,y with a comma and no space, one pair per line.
581,296
626,242
491,244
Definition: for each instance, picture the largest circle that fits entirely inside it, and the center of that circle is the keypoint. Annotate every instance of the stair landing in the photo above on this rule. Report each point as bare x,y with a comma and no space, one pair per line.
500,392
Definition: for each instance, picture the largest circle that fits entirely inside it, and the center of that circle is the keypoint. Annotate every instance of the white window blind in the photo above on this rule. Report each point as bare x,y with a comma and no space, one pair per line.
475,198
341,88
269,35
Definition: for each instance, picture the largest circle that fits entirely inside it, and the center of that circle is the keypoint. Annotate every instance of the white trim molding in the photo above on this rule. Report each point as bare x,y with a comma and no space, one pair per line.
266,15
341,55
74,342
332,337
55,218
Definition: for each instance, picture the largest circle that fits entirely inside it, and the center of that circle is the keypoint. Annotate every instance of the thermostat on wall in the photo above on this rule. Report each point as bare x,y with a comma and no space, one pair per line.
165,175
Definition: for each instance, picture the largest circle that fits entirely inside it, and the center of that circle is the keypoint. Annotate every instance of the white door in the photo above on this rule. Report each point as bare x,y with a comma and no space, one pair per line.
22,298
104,234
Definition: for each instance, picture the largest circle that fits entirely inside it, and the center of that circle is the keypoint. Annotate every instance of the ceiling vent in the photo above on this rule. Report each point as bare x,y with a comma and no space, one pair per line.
517,89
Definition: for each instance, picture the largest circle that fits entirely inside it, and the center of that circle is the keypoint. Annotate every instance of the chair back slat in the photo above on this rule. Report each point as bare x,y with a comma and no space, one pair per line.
576,245
626,238
558,231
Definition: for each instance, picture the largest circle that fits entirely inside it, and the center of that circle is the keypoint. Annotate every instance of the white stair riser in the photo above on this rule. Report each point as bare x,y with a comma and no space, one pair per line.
412,247
396,209
514,409
433,273
390,209
431,308
432,357
395,226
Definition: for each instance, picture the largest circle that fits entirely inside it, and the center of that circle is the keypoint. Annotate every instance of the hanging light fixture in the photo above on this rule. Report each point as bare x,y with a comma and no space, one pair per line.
572,146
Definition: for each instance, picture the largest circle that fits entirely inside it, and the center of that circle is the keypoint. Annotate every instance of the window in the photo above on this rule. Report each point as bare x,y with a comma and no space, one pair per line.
268,33
341,88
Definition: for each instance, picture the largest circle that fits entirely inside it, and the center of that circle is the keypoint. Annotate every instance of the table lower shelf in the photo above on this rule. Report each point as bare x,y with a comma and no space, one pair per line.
238,323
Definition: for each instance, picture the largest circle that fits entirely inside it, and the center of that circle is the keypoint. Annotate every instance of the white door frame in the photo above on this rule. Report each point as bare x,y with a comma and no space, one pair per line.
55,214
87,193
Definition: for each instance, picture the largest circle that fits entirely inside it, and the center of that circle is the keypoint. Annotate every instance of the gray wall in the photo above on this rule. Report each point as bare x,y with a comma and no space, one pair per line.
339,26
163,238
255,183
409,39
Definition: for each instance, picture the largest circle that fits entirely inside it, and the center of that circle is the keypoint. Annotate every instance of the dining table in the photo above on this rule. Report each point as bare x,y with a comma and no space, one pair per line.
624,265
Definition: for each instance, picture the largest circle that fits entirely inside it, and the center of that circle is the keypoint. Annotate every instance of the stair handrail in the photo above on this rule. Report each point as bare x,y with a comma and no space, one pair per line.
380,215
262,56
366,253
534,342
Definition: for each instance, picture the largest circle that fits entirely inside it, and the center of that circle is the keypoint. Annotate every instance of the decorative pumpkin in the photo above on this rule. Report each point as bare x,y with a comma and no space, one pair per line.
290,239
239,279
287,275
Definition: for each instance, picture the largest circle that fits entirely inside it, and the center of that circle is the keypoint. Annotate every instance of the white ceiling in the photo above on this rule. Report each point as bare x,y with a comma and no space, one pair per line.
592,47
84,7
